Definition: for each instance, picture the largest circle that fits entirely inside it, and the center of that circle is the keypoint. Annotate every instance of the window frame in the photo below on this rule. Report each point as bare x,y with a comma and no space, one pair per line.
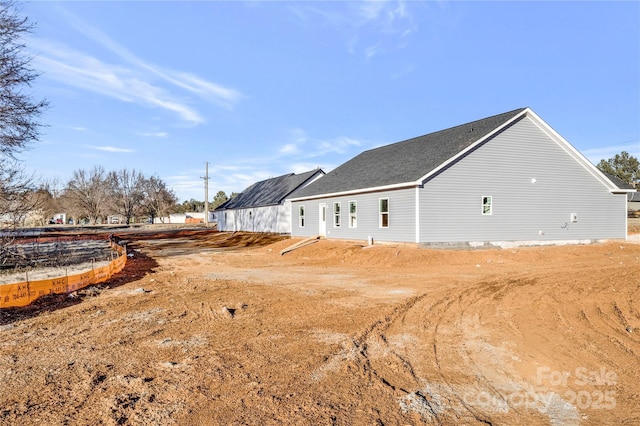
353,217
487,207
301,211
381,214
337,219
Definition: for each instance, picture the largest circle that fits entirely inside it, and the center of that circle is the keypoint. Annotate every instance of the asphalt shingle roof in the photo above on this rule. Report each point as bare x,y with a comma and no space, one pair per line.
269,192
618,182
405,161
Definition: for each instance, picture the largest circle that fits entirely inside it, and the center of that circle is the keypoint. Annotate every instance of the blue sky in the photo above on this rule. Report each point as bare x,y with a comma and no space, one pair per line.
264,88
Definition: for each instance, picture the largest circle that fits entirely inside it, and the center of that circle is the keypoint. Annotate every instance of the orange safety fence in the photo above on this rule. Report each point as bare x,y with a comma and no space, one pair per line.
23,293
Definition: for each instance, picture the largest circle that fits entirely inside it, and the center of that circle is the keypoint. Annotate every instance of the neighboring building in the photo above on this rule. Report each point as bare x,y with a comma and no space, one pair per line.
633,204
190,217
263,207
506,178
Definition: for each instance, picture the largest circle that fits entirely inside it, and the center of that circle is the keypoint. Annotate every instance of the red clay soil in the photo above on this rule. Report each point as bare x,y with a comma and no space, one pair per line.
218,328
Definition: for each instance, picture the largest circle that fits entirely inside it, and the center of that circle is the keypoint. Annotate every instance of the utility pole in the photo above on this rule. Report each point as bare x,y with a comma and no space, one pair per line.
206,194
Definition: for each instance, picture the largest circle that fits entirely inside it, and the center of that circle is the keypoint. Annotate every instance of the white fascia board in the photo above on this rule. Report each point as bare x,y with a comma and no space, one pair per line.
577,155
357,191
472,146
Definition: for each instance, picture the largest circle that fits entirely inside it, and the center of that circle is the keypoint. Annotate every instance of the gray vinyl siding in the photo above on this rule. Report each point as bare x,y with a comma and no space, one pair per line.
401,217
503,168
273,219
310,227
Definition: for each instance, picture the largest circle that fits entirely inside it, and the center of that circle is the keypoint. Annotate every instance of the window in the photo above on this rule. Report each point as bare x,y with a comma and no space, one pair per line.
336,215
301,216
384,212
353,215
487,208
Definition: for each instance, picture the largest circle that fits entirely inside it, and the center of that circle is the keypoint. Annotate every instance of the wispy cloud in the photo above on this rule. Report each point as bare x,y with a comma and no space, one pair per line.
108,148
303,146
371,51
224,96
339,145
407,69
154,134
308,12
85,72
131,80
371,27
290,148
371,9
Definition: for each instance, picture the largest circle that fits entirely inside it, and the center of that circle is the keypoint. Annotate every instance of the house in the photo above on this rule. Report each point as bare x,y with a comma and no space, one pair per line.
505,178
263,207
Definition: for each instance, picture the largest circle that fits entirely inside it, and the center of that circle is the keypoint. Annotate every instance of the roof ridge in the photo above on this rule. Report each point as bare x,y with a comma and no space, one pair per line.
514,112
285,175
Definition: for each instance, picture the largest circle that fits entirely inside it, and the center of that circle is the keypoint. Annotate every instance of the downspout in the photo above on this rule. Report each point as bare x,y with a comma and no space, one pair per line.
418,214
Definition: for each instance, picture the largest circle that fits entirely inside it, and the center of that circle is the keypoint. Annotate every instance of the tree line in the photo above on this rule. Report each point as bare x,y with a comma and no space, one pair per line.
91,196
193,205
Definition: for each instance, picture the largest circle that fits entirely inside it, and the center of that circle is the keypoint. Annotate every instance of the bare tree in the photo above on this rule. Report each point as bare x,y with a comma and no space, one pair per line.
88,193
158,199
126,192
16,195
16,202
49,199
18,113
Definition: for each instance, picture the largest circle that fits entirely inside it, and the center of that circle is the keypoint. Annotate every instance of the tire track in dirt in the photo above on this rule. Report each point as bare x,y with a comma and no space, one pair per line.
374,336
480,367
356,349
437,399
462,361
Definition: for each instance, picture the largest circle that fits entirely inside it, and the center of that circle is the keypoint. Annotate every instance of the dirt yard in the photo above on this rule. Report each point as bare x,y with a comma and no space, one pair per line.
210,328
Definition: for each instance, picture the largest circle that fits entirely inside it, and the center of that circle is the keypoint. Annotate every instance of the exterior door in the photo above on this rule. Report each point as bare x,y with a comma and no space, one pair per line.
322,231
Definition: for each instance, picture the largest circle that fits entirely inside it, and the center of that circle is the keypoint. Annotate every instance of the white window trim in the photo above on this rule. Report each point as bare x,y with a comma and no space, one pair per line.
301,217
355,215
490,197
380,213
338,223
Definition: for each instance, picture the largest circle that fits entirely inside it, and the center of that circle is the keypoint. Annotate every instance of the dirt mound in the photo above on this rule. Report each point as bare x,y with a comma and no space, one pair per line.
221,328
